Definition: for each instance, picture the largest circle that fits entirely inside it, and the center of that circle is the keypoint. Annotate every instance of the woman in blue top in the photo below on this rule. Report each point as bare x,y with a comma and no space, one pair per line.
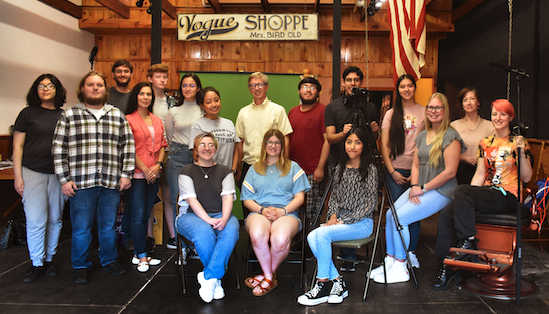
273,191
432,180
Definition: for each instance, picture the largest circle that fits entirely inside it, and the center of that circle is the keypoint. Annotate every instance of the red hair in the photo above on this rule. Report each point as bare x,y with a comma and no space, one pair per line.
503,105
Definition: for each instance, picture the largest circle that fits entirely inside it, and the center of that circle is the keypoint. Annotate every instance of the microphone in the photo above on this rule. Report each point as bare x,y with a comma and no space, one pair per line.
506,68
93,54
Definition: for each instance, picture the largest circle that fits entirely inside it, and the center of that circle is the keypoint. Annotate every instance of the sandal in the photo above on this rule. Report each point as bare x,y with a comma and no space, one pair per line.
252,282
272,284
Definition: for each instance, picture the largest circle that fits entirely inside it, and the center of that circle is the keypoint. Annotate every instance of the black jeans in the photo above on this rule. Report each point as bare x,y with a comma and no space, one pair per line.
457,220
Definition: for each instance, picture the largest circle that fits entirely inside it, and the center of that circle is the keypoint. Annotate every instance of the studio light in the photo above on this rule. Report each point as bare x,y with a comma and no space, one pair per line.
139,3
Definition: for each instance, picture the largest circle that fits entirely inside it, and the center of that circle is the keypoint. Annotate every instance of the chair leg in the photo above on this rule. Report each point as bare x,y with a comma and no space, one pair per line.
247,258
235,259
180,260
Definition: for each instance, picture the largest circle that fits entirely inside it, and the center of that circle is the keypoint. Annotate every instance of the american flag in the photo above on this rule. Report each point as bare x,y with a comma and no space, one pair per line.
408,36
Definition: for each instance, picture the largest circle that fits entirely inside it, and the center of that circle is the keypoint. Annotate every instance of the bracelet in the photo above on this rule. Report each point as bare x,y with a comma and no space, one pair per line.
423,188
285,211
160,164
393,172
261,210
414,185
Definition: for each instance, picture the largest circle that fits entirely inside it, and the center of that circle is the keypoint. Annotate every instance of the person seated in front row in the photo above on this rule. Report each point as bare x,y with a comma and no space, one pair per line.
493,189
206,195
351,207
433,181
273,190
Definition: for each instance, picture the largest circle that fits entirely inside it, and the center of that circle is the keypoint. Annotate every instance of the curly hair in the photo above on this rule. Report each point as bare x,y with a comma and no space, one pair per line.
33,100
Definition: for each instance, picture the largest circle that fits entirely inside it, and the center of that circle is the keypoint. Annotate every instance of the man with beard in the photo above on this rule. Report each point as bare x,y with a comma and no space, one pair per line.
122,74
309,146
94,159
339,117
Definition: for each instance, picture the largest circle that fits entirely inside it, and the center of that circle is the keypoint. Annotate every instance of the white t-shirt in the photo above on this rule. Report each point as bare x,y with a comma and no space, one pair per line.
224,131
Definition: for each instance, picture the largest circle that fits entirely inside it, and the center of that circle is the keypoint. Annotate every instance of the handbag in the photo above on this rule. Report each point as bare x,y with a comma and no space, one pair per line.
6,235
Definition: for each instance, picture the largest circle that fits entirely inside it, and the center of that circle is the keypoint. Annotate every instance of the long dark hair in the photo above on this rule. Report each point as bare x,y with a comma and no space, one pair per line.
33,100
366,157
396,131
132,100
198,90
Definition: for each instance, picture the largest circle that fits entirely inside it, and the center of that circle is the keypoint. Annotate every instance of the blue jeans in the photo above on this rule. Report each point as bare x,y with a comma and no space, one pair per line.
86,204
396,192
140,199
408,213
214,247
179,156
320,241
43,204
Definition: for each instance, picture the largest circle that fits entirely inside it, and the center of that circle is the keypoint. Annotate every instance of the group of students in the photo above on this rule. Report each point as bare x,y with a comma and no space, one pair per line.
421,151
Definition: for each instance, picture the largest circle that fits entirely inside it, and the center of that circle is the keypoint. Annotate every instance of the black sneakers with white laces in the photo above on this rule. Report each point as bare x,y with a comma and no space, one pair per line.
339,291
320,293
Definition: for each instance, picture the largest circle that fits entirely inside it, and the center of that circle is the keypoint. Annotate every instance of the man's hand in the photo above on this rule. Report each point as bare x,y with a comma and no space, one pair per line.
125,184
69,189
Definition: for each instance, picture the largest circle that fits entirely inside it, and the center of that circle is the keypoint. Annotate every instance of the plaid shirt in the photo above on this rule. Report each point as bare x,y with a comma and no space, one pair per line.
93,153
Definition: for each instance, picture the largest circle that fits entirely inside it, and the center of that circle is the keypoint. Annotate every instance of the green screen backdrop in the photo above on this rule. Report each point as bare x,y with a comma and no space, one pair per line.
233,87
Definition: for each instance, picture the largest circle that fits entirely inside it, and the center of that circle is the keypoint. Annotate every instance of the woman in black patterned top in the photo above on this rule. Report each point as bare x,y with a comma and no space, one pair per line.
350,212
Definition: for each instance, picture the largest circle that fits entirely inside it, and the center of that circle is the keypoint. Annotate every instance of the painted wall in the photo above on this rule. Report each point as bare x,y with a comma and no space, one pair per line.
38,39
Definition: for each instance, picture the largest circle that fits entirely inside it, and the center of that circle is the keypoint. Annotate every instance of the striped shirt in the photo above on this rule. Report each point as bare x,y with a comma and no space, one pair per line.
92,152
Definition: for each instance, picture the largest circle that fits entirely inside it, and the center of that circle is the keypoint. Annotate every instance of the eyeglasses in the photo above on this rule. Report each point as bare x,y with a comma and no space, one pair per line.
189,86
203,145
260,86
436,109
308,87
271,143
48,87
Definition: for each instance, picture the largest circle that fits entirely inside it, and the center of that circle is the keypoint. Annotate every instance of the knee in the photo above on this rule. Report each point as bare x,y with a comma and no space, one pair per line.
280,242
259,237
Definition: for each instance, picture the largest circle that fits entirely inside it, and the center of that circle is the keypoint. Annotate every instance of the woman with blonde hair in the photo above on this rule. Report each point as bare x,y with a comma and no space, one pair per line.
273,191
436,159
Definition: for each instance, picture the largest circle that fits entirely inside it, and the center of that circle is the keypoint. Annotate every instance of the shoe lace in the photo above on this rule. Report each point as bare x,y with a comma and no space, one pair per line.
315,290
337,288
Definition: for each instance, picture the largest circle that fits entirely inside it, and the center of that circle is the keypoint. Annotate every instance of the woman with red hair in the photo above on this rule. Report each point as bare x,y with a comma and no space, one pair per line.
493,189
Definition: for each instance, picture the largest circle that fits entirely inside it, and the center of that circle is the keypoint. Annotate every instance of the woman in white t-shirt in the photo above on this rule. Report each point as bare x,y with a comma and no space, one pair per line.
399,129
472,128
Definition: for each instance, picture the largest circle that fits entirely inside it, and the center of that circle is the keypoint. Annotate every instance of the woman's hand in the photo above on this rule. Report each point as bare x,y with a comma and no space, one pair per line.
218,223
334,221
415,193
19,185
152,173
470,160
399,178
272,213
520,144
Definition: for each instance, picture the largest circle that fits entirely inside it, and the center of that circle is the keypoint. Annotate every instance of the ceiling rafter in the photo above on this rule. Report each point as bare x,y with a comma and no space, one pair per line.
465,8
216,6
266,6
66,7
117,7
169,9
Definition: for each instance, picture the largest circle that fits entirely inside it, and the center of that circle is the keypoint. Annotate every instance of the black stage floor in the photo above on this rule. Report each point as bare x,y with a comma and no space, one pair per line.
159,290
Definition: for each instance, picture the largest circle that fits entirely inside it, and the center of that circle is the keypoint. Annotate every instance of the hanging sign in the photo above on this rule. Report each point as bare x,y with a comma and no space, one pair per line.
213,27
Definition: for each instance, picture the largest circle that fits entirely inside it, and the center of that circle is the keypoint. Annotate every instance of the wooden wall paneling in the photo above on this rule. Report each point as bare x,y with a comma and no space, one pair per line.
166,48
145,48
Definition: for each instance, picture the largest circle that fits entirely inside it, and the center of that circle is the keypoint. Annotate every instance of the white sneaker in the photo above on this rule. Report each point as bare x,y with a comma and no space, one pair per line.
219,292
397,273
152,261
183,256
389,261
207,287
413,259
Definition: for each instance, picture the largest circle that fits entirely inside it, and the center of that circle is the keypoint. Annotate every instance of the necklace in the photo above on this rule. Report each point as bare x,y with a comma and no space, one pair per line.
272,169
205,173
478,123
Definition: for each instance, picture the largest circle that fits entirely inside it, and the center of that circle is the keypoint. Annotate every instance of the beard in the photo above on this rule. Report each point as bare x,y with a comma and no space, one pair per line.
308,101
94,101
121,84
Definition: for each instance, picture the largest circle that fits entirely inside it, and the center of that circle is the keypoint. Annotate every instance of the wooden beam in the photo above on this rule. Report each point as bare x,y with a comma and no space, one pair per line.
440,25
66,7
265,5
169,9
465,8
117,7
317,3
216,6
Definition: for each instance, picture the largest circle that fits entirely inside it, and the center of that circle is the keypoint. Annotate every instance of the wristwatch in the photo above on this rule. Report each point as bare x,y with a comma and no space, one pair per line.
159,163
423,189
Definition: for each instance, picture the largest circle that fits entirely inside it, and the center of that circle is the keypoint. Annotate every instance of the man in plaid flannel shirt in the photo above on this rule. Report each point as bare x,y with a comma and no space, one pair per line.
94,159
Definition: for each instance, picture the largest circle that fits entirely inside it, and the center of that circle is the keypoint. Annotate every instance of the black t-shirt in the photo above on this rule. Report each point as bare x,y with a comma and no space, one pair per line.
338,114
38,124
208,191
118,99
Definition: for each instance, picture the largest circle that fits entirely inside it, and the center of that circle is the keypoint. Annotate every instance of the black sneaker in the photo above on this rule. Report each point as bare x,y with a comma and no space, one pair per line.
114,268
348,266
320,293
151,245
193,254
50,270
33,273
339,291
171,244
80,276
